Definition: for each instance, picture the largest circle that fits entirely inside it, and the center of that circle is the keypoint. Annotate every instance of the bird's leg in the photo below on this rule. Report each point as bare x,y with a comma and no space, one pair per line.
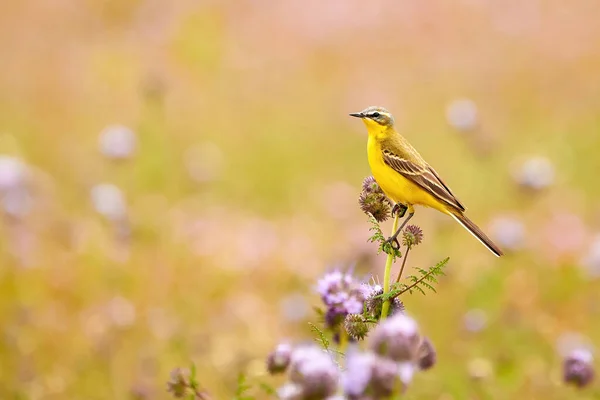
400,209
393,240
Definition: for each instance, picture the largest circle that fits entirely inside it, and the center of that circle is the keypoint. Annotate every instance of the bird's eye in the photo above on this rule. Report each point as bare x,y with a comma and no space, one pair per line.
375,114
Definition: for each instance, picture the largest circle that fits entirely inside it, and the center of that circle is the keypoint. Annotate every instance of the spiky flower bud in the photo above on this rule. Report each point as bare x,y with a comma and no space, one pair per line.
179,384
578,369
373,201
412,236
427,355
356,326
396,338
279,359
374,303
314,372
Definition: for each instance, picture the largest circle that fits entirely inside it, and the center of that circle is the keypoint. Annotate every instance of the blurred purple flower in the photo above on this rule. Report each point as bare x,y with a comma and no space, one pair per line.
396,337
462,115
12,172
535,173
314,371
508,232
15,195
475,320
591,260
279,360
294,307
367,374
358,372
578,368
117,142
109,201
427,355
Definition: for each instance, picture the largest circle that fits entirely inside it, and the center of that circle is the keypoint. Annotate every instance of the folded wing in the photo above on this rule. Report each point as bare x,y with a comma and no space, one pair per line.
423,176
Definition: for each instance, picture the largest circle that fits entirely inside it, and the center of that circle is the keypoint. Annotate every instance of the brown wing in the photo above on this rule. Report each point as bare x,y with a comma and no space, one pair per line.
425,177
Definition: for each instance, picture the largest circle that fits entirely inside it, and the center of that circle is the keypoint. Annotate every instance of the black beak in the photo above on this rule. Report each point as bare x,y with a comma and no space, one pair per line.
357,115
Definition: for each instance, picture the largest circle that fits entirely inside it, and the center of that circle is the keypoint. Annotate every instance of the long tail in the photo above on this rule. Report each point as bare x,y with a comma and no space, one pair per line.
475,231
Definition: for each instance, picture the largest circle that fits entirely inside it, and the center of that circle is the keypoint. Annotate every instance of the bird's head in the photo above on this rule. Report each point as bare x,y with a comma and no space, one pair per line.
375,117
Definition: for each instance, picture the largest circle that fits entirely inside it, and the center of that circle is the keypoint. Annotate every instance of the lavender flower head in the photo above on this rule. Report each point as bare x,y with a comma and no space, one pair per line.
578,369
342,295
396,338
313,371
279,359
358,373
369,376
117,142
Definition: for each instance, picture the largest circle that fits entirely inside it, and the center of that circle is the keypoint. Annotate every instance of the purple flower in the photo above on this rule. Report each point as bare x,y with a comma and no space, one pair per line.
578,369
313,370
342,295
396,338
358,373
279,359
369,375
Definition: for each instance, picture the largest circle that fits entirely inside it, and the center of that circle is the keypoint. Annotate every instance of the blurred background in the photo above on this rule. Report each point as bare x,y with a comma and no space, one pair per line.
175,176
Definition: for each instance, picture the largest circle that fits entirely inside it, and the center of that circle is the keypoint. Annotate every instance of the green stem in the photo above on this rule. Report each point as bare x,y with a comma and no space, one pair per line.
403,264
343,340
386,275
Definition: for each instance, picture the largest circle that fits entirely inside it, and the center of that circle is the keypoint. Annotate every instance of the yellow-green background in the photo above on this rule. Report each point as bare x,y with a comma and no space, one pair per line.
211,265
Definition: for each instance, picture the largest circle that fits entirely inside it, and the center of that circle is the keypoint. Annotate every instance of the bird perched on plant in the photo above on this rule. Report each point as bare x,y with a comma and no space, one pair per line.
407,179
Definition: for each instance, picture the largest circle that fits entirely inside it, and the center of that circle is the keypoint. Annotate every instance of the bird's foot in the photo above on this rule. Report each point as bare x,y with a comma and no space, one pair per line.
399,209
393,242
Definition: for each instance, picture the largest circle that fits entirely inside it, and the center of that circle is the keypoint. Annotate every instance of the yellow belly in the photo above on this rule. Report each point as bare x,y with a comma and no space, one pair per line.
395,186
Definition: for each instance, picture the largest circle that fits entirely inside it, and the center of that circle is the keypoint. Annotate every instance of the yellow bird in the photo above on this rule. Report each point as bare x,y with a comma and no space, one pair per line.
407,179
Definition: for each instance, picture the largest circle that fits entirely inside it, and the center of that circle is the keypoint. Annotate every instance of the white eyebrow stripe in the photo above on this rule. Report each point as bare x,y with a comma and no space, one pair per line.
380,114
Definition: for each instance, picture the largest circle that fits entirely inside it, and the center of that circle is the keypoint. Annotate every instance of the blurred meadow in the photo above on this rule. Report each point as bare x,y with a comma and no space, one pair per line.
175,176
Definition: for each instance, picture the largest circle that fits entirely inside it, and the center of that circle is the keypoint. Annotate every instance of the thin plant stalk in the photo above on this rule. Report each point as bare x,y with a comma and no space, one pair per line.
388,270
403,264
343,341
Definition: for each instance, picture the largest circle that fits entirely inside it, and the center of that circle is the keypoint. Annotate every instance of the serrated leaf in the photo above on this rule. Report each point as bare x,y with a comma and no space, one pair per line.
321,338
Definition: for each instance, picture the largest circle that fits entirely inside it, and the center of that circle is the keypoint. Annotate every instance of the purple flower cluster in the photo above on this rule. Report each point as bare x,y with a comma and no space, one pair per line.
342,295
312,373
396,351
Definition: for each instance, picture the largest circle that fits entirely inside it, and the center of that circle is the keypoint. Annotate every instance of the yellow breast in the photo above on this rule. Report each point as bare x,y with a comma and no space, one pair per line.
395,186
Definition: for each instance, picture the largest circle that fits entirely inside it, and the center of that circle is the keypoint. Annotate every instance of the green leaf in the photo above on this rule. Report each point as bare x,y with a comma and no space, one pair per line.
425,279
242,388
321,338
268,389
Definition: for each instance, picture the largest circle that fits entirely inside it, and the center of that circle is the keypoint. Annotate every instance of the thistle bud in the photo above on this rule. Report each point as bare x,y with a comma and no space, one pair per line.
396,338
578,369
373,201
412,236
356,326
427,355
374,304
279,359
